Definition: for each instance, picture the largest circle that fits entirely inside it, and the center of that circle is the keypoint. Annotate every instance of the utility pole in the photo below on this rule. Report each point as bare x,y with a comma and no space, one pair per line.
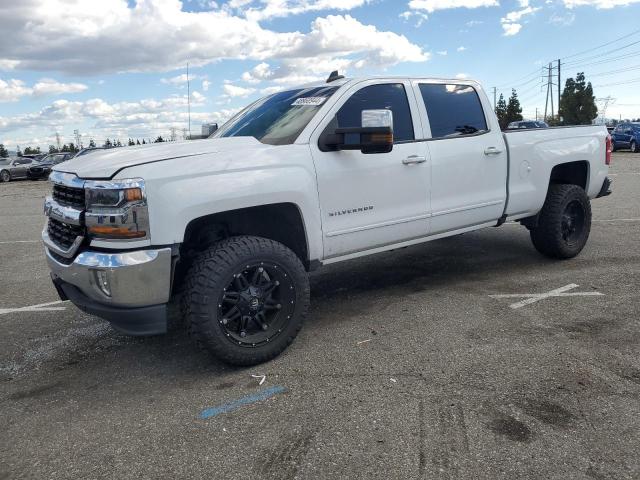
546,100
495,93
58,140
536,114
76,133
559,89
173,134
188,100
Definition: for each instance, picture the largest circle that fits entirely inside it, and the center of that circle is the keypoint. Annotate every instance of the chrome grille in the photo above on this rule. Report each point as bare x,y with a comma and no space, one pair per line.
69,196
63,234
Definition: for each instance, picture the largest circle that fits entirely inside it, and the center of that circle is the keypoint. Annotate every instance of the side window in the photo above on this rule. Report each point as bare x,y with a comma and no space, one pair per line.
453,110
388,96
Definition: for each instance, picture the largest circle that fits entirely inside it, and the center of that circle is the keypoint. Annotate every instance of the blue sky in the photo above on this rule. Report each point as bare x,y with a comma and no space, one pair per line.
116,69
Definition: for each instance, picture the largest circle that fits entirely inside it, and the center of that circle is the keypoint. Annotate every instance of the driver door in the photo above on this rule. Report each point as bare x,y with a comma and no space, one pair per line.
372,200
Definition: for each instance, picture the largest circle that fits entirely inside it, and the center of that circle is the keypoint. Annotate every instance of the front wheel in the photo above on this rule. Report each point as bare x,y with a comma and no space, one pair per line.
564,222
246,299
5,176
634,146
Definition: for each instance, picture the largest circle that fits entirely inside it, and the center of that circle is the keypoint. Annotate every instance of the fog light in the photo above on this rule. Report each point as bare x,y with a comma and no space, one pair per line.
102,280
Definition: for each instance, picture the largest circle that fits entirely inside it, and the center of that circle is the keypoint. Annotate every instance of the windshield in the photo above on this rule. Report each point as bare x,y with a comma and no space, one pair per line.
279,118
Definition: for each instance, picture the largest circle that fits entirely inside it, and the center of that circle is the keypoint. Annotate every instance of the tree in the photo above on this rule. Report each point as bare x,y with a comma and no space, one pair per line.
18,151
107,143
3,151
159,139
52,149
501,112
131,142
92,143
577,103
143,142
31,150
117,144
514,110
138,142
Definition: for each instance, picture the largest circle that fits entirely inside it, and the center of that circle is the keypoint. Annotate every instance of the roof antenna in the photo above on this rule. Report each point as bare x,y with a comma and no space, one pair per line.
334,76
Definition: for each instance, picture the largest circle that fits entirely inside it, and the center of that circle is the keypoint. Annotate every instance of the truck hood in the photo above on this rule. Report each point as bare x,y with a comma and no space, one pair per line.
104,164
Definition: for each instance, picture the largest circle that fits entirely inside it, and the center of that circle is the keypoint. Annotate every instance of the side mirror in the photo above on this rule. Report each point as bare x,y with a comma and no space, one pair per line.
375,135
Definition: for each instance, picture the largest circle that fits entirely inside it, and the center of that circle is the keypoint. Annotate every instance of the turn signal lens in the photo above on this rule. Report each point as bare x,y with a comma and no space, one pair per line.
103,231
133,194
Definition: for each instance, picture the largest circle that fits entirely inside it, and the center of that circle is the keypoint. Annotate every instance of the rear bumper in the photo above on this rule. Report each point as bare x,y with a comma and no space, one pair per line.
605,189
129,289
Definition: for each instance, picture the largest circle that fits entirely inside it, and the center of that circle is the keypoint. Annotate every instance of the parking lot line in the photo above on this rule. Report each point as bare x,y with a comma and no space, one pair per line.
42,307
235,404
536,297
20,241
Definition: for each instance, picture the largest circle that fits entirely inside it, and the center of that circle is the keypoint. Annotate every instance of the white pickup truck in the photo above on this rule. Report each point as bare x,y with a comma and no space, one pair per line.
310,176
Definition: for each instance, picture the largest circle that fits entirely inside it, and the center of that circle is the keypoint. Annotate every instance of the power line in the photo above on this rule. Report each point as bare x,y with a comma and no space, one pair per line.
602,45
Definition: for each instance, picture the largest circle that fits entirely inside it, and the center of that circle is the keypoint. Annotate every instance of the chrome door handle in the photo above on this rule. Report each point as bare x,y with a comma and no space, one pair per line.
413,159
492,151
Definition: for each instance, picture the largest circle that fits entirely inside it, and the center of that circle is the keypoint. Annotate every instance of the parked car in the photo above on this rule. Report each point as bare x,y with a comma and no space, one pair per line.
527,124
307,177
43,168
14,168
626,135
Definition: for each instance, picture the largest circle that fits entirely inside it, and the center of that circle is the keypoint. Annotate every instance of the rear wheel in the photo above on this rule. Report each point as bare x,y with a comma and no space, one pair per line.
613,145
5,176
634,146
246,299
564,222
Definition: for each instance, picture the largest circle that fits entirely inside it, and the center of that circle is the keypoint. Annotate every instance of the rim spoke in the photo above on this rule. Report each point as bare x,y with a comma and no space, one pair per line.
241,282
261,320
231,297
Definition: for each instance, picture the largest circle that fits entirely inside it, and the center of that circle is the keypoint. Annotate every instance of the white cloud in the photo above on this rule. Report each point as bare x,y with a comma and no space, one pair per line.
462,76
205,85
473,23
442,52
511,28
235,91
511,23
420,17
266,9
461,49
433,5
12,90
260,72
178,80
601,4
116,37
562,20
271,90
48,86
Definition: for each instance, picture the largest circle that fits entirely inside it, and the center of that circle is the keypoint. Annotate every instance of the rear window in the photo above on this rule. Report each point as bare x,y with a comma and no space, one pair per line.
453,110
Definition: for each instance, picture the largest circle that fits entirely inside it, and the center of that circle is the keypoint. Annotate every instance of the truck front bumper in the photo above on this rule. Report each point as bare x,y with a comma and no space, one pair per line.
129,289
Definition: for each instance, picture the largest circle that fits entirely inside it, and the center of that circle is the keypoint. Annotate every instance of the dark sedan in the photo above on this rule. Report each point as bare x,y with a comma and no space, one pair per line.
42,169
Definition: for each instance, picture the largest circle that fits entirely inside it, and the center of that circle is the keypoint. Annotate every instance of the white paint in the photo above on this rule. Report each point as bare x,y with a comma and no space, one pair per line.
20,241
536,297
42,307
261,377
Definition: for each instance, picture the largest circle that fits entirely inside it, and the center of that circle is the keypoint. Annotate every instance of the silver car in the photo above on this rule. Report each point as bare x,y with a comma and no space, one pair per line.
14,168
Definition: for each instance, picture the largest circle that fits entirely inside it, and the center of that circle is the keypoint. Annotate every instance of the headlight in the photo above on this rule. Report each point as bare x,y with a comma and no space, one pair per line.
116,210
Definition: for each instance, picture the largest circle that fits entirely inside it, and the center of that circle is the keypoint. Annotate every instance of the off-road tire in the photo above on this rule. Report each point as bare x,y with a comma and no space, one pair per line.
210,274
547,236
5,176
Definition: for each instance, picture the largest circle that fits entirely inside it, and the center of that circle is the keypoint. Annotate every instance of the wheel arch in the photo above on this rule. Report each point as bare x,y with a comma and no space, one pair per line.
572,173
282,222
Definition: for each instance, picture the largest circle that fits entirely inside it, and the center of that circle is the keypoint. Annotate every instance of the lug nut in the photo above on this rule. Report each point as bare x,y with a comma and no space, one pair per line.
243,333
265,326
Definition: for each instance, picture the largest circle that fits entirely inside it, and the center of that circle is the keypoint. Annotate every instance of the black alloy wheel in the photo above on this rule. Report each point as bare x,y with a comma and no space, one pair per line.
573,222
256,304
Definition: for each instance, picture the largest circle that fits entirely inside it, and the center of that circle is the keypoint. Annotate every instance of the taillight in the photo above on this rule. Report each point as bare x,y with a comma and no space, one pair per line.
607,158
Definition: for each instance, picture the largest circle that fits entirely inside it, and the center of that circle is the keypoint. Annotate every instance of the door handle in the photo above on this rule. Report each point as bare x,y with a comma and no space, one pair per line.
413,159
492,151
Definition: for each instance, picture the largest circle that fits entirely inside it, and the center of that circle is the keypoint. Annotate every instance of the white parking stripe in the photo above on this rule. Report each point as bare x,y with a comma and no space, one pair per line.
20,241
536,297
42,307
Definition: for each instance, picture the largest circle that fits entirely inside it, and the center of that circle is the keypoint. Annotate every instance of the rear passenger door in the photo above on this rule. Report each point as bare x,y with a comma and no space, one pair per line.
468,156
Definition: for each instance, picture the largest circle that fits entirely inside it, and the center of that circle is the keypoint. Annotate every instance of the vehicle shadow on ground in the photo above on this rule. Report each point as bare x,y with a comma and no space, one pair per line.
459,263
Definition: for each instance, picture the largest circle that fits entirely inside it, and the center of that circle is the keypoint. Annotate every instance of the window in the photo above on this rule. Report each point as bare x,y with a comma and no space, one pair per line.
279,118
386,96
453,110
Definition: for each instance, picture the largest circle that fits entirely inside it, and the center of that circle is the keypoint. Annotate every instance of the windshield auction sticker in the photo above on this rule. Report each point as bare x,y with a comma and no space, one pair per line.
309,101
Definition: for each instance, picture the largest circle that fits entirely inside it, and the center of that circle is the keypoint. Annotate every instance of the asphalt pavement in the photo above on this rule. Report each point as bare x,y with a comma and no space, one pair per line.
469,357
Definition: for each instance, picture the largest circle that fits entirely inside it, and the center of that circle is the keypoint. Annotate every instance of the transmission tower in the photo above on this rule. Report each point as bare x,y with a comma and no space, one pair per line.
603,104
